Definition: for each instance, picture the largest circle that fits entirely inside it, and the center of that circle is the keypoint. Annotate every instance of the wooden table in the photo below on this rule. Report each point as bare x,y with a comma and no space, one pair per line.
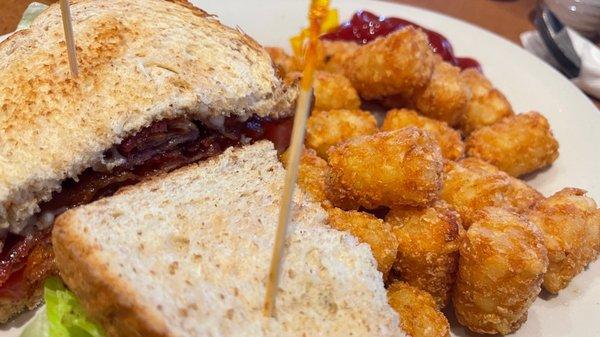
508,18
11,11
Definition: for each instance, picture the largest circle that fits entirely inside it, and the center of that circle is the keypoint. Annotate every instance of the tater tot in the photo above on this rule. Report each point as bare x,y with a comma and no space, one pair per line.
571,230
327,128
370,230
517,145
486,105
332,59
397,64
419,316
472,184
391,169
335,55
446,95
283,62
501,267
312,175
339,197
428,247
449,139
334,91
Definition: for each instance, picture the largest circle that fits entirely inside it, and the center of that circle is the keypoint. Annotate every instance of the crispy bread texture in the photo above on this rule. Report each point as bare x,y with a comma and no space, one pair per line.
190,251
139,61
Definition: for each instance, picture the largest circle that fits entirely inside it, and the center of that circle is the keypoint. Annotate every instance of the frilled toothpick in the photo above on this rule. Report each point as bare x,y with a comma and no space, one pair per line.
317,14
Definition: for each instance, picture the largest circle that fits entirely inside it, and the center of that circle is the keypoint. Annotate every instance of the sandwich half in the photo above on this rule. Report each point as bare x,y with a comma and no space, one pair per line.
162,84
193,258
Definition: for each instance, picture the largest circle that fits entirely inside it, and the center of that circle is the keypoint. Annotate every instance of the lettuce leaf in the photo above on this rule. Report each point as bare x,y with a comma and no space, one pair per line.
63,316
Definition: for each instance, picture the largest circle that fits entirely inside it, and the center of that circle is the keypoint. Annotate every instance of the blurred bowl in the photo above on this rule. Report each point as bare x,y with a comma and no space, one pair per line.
581,15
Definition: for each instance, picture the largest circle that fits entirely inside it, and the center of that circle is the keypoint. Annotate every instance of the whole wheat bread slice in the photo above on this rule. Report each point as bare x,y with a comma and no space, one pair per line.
187,254
139,61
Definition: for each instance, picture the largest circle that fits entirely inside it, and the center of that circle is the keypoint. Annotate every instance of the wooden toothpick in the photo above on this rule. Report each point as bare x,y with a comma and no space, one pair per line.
285,205
318,11
69,38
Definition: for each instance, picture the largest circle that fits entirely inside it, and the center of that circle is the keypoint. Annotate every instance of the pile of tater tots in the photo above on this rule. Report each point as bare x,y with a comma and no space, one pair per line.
434,187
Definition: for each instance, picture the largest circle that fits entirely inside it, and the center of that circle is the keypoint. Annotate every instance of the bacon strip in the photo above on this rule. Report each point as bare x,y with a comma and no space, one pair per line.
25,265
26,261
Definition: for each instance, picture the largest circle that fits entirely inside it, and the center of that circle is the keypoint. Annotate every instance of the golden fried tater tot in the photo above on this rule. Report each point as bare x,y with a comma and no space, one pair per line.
339,197
392,169
501,267
327,128
335,55
370,230
419,316
516,145
283,62
486,106
472,184
334,91
446,95
428,251
571,230
397,64
312,175
332,59
449,139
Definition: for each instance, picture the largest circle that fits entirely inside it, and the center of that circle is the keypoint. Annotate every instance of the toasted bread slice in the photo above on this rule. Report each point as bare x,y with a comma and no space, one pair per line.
139,61
187,254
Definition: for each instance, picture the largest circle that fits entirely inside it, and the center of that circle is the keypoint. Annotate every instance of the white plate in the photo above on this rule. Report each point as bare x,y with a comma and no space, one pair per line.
527,82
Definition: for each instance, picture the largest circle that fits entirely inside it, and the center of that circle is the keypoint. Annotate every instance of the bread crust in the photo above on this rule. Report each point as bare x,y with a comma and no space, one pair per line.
139,61
194,258
84,273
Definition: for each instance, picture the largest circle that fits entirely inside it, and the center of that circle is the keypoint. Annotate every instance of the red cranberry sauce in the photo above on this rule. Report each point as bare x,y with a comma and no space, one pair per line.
365,27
